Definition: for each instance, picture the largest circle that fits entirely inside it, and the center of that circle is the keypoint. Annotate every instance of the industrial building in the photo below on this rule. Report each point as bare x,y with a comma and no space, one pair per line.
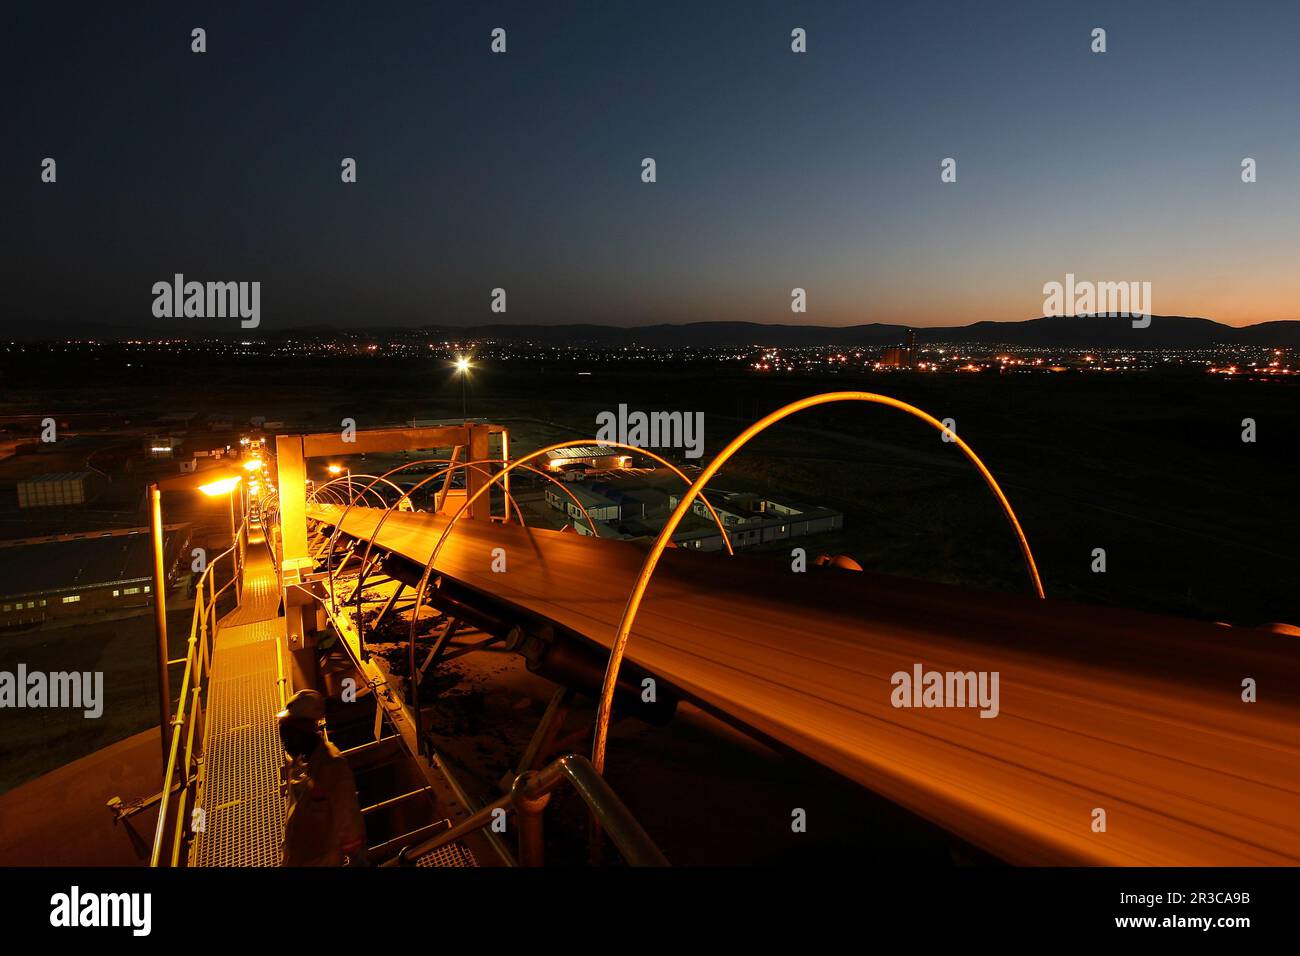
603,501
752,519
55,490
903,356
627,509
587,458
69,575
162,446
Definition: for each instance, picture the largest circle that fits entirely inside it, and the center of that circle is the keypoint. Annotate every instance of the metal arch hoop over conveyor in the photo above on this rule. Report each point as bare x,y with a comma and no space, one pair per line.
1133,713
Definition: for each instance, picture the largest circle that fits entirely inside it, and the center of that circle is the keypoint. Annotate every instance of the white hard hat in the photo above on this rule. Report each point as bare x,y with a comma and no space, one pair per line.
304,705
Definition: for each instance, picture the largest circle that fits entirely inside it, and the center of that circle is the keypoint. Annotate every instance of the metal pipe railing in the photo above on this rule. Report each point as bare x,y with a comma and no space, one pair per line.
529,796
203,628
395,801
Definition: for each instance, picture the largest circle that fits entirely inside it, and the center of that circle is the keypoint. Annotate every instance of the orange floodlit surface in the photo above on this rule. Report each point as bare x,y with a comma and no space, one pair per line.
1135,714
220,487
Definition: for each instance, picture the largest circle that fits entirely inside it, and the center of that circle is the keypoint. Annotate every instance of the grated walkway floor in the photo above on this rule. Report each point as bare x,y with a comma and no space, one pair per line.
260,599
243,806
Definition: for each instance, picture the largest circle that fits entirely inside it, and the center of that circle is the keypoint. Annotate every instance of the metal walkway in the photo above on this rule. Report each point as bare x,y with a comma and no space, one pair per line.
239,793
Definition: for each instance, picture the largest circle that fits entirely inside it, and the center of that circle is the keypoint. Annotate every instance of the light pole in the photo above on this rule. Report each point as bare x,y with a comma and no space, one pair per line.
463,366
160,621
227,486
336,469
212,489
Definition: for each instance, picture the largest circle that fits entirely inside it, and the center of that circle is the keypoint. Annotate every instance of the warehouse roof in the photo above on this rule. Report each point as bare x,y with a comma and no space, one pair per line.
92,560
57,476
584,451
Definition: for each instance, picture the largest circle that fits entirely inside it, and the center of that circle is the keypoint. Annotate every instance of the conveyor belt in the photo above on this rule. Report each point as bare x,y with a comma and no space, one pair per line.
1134,714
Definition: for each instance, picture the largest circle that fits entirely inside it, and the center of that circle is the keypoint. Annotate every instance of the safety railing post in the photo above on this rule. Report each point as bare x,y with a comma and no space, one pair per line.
529,818
201,615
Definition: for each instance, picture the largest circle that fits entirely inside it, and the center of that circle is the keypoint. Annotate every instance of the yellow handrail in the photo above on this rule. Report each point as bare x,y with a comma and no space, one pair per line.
203,627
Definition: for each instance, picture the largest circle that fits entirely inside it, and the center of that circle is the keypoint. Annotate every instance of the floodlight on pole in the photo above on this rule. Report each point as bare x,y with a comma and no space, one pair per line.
226,486
463,365
338,470
212,489
223,486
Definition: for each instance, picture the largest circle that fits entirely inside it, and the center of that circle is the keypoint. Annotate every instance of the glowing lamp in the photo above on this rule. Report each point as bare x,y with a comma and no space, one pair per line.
214,488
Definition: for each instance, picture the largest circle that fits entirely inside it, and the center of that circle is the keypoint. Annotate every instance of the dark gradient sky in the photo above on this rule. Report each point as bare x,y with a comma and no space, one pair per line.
775,170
